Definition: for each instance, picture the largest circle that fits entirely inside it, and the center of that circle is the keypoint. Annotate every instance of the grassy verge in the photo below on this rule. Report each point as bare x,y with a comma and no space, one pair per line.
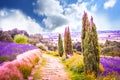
74,68
37,71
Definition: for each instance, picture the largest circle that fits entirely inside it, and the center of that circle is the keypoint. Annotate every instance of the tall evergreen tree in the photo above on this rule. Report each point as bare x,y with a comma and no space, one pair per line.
60,46
85,25
67,42
96,50
90,46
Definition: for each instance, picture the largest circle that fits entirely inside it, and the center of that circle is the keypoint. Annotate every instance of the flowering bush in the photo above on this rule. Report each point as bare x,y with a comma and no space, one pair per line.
20,67
75,63
10,72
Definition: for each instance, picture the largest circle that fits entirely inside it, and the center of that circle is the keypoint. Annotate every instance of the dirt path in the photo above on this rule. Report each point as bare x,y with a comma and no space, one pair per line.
52,70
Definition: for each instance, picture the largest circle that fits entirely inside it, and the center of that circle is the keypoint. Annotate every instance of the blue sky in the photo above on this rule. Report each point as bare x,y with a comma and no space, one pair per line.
36,16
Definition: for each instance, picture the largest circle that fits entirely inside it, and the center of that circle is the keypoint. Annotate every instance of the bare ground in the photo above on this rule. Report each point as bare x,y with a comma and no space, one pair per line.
52,70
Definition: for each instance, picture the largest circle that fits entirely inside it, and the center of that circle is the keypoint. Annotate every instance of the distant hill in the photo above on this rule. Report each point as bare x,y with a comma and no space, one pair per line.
102,35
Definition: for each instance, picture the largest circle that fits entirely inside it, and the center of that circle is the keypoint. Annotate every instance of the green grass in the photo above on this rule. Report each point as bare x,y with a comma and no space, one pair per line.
53,53
74,67
37,74
5,58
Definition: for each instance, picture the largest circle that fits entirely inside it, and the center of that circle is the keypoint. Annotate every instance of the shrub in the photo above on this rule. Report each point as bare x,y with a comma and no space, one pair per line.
75,63
54,53
77,46
24,68
10,72
5,36
111,48
42,48
22,65
34,39
25,62
20,39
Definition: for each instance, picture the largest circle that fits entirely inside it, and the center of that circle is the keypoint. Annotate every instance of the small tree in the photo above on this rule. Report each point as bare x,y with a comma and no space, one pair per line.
60,46
67,42
20,39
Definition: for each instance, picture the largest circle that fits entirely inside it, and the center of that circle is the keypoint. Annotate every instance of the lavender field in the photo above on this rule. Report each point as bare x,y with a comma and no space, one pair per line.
110,64
11,50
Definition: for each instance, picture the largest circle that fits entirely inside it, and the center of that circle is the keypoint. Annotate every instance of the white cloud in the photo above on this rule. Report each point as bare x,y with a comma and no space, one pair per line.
48,7
53,12
10,19
109,4
57,17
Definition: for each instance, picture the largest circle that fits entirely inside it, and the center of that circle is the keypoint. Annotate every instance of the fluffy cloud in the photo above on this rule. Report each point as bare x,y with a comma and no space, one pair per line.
48,7
53,12
10,19
58,16
109,4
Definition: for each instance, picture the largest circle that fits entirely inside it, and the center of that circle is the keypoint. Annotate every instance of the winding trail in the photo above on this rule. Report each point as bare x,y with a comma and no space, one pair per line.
52,70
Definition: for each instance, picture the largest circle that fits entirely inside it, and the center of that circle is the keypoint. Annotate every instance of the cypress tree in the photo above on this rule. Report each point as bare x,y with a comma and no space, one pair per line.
60,46
96,50
85,25
67,42
90,46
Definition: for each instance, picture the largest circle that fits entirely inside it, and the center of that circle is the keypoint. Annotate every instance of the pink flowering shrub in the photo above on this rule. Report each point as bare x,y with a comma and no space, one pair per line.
21,67
10,72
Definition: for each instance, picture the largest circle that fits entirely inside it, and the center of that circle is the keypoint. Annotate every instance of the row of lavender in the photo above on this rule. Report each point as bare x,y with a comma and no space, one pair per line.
21,67
110,64
11,50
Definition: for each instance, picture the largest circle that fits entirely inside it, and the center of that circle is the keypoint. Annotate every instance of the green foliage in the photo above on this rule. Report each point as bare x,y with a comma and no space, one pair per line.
75,63
20,39
37,72
53,53
67,42
79,76
5,58
111,48
60,46
42,48
25,69
90,46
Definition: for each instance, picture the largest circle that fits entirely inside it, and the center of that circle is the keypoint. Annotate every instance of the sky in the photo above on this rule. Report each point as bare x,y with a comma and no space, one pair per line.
37,16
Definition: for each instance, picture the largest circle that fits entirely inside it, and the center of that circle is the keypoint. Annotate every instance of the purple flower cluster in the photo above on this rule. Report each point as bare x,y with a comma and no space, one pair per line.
9,49
111,64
